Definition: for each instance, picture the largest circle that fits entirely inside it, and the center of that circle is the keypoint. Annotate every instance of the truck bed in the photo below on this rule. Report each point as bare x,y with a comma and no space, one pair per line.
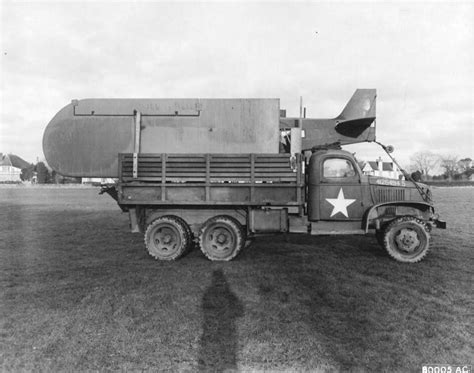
210,179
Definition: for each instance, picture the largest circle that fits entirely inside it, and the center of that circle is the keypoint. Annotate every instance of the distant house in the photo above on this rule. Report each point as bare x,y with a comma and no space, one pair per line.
10,167
381,169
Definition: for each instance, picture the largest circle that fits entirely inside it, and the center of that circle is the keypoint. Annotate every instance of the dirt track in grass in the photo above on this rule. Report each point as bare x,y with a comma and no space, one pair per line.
79,292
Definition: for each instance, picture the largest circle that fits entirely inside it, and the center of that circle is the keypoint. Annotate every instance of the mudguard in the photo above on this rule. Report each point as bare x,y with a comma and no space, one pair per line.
369,214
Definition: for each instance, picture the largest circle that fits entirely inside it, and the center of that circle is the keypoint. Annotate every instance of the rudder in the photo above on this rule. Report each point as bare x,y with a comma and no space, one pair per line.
361,105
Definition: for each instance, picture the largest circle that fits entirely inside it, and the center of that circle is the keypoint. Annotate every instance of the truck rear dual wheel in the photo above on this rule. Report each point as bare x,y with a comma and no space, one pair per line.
406,239
221,238
168,238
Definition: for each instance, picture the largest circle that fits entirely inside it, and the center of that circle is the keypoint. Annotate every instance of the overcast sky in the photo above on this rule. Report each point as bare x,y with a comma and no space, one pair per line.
420,57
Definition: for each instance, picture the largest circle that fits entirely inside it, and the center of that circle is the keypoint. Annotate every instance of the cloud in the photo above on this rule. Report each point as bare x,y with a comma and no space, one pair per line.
418,56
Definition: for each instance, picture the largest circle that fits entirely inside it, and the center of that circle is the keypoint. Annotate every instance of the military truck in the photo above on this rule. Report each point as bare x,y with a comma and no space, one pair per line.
217,172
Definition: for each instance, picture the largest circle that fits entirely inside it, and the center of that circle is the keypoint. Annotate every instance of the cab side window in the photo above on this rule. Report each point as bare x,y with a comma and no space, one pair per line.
338,168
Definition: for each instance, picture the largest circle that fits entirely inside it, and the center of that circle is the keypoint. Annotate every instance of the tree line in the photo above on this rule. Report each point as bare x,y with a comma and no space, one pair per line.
453,168
422,163
40,174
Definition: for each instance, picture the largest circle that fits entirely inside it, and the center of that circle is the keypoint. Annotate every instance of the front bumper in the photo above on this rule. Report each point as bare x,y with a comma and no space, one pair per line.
438,223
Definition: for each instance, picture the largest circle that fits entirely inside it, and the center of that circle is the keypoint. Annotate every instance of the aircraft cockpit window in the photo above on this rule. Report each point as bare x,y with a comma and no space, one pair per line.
338,167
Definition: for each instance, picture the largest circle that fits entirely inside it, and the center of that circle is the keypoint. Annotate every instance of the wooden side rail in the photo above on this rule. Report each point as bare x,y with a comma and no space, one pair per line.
211,179
213,168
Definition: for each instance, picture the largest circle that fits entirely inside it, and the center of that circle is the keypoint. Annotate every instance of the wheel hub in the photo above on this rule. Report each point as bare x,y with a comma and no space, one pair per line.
167,239
221,238
407,240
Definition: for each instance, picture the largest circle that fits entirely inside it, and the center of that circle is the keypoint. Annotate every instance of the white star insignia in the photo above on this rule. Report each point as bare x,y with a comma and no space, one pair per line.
340,204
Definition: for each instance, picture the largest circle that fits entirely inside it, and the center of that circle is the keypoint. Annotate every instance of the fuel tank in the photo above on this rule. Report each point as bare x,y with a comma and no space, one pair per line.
86,136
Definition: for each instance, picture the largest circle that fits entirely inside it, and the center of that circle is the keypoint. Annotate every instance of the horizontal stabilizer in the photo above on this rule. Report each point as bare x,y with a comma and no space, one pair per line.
355,127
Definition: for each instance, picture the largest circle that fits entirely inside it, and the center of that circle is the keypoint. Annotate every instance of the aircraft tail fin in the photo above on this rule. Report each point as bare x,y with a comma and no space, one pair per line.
358,114
361,105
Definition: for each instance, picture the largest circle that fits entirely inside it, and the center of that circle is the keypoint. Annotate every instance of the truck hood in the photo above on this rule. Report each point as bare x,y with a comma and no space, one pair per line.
386,190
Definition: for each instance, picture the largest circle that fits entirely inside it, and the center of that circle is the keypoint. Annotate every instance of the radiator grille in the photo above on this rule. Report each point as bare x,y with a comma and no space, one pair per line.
390,194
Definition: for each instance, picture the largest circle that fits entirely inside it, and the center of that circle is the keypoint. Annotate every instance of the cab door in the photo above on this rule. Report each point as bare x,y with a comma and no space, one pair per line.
340,190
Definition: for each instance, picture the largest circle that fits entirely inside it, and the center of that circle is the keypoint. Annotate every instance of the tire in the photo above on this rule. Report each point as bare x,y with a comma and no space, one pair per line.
168,238
189,232
406,239
221,238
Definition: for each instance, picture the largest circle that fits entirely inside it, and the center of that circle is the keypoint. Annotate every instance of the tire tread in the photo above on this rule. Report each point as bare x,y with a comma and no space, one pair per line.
393,252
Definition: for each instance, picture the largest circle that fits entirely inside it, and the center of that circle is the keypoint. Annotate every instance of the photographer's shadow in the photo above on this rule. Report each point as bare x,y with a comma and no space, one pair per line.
219,342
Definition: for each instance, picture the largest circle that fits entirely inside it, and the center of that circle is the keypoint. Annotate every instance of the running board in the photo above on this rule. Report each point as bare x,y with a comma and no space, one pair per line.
336,228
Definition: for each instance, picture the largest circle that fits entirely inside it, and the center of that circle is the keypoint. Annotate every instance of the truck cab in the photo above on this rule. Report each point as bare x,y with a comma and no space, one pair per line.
341,200
336,187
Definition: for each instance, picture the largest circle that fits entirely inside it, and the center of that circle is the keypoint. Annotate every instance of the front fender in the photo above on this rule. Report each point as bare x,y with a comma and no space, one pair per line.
401,208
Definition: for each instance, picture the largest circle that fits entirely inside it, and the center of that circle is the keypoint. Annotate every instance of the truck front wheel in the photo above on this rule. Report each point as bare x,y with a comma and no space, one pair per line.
167,238
221,238
406,239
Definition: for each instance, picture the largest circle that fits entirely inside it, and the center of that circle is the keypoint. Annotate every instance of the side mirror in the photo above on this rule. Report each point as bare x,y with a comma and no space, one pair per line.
389,149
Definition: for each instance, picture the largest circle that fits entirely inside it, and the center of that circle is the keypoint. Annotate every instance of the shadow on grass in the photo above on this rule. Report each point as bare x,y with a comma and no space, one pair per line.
221,308
341,302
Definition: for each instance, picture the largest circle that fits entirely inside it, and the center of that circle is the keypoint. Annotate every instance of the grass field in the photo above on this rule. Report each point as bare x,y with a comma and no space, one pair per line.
79,292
